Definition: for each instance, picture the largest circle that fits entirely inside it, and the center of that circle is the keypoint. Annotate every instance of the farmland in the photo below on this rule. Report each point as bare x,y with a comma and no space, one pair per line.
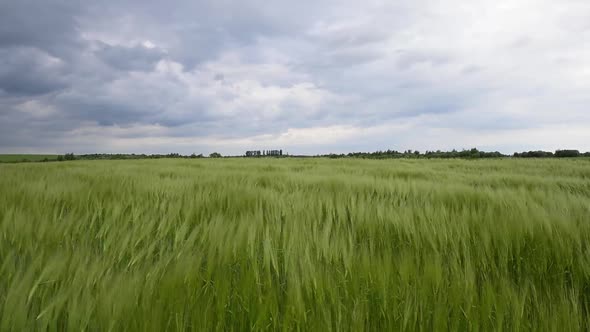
295,244
14,158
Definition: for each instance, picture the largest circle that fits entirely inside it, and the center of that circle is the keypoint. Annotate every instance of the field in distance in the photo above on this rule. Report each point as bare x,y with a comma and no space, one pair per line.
15,158
295,244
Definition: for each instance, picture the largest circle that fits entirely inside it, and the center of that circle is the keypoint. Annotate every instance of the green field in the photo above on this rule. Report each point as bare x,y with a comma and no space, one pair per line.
17,158
295,244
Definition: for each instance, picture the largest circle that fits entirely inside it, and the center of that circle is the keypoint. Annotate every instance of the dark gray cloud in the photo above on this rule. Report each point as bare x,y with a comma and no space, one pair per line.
47,25
309,76
28,71
129,58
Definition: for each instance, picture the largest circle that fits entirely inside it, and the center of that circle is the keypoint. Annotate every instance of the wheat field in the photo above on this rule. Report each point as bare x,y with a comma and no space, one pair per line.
295,244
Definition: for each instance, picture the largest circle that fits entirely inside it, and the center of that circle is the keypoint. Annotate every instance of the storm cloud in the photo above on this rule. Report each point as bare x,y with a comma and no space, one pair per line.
306,77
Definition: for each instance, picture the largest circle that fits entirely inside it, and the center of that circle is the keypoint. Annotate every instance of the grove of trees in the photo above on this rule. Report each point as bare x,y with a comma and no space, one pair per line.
387,154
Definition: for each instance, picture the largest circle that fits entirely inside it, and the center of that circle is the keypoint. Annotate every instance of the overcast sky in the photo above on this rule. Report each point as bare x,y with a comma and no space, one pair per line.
304,76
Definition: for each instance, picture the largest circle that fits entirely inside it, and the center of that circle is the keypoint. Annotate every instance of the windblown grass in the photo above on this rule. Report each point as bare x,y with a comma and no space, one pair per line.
283,244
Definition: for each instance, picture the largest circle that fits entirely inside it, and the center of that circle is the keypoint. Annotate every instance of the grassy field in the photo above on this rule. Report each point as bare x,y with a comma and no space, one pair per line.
284,244
16,158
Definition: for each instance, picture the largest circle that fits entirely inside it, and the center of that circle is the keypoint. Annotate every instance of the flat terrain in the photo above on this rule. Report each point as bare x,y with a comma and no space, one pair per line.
14,158
286,244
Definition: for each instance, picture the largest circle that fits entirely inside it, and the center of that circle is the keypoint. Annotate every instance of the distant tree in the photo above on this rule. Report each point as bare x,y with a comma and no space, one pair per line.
60,158
215,155
567,153
533,154
466,154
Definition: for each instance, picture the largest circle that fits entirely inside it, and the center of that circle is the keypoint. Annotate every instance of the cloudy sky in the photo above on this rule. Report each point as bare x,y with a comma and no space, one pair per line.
305,76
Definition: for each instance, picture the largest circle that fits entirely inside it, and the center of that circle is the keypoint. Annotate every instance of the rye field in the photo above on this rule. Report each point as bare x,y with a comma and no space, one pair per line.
295,244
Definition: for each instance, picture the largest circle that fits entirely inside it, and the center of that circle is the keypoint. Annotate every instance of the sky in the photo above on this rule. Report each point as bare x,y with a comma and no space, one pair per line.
307,76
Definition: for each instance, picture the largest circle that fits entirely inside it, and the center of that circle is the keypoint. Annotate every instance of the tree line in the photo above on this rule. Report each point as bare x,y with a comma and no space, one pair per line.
388,154
119,156
454,154
557,154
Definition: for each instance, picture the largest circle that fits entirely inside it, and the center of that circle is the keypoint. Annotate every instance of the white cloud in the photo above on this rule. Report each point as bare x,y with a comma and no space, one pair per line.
37,110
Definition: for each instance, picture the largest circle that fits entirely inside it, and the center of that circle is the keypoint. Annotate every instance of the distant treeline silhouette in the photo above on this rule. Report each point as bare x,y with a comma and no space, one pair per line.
388,154
557,154
119,156
463,154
